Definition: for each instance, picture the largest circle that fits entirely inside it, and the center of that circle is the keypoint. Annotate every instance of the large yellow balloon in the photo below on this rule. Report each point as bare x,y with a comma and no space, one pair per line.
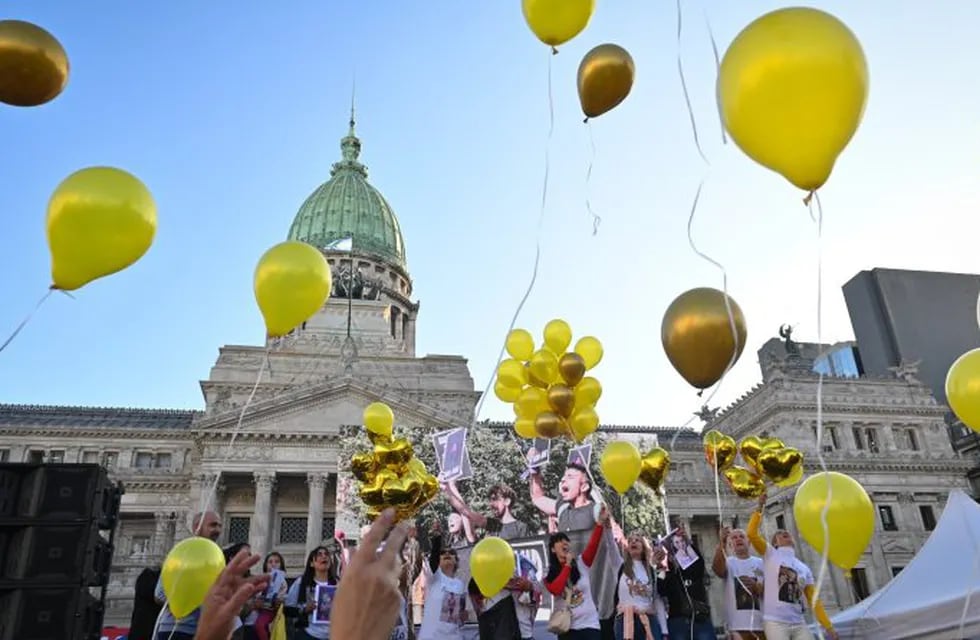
850,519
544,366
587,392
190,569
100,220
557,336
379,419
963,388
620,464
556,22
792,88
520,344
292,282
512,373
505,393
33,64
492,565
591,351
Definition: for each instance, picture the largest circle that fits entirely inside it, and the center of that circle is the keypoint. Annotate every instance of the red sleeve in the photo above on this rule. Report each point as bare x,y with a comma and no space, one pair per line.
588,556
558,586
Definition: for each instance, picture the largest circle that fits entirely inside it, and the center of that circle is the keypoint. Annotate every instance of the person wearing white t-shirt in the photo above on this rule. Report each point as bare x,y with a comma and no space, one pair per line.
301,600
787,581
444,612
744,576
640,610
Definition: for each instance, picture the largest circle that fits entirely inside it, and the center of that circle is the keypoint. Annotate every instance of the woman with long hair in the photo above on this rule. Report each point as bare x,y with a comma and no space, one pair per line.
444,612
267,603
637,598
568,580
301,597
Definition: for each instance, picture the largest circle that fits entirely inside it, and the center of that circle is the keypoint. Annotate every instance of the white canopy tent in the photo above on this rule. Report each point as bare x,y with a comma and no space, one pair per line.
939,589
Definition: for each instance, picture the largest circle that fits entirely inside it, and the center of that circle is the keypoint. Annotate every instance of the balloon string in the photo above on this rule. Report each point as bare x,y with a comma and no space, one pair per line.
596,220
537,247
23,323
687,97
714,50
817,217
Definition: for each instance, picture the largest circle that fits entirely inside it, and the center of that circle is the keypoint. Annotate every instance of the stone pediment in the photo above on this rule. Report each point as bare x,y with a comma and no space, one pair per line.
322,410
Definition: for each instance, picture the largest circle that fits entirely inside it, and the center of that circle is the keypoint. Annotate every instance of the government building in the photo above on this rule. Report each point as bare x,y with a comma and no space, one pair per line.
277,485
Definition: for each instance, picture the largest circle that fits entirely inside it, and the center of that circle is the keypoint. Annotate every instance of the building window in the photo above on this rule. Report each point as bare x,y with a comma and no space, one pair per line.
781,521
90,457
163,461
35,456
109,459
830,442
871,437
139,546
887,518
859,581
4,455
327,528
858,437
913,440
143,460
292,530
56,456
896,571
928,517
238,528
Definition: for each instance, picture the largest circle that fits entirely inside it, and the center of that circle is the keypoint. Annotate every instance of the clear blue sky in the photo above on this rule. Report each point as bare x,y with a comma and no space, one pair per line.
231,113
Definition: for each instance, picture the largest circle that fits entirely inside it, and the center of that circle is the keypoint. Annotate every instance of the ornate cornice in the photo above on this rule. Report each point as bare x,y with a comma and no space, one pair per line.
115,433
317,480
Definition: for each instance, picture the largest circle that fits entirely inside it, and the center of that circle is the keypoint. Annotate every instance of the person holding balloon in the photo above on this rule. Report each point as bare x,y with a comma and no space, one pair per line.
787,580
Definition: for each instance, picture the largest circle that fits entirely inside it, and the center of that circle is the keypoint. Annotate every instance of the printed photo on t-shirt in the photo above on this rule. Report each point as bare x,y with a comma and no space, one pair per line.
575,598
789,586
452,604
745,598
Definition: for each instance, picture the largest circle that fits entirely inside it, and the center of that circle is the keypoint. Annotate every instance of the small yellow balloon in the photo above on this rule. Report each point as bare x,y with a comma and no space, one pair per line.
520,344
557,336
379,419
792,88
850,518
605,77
591,351
556,22
531,402
100,220
33,64
620,464
505,393
190,569
524,427
963,388
492,565
512,373
583,423
544,366
292,282
587,392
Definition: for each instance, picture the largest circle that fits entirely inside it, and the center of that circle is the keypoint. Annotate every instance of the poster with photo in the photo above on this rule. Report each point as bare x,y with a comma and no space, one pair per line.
452,455
681,550
324,596
581,456
542,453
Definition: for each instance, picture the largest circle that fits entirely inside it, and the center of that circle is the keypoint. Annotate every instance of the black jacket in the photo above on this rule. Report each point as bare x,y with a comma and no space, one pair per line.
686,591
145,607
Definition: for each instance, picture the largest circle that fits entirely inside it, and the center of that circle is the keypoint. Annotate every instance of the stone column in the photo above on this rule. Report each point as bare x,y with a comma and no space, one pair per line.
259,526
317,482
162,534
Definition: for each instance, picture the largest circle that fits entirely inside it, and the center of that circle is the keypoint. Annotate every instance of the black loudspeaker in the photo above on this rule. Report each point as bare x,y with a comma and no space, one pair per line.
57,526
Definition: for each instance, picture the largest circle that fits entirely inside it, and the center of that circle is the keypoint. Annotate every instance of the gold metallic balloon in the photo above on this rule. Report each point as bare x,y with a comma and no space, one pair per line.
395,454
744,483
561,399
783,467
571,368
33,64
402,491
719,450
363,466
549,425
697,335
605,77
654,467
372,493
751,446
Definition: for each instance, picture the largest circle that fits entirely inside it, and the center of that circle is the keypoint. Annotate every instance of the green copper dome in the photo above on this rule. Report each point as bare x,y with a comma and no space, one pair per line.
346,206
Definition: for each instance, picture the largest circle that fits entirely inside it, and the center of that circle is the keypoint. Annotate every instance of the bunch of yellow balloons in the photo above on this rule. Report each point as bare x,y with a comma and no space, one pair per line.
697,336
551,394
292,282
792,88
391,475
766,459
188,572
850,517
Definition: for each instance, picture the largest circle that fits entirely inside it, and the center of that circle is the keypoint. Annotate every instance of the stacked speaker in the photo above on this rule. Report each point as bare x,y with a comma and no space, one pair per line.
57,525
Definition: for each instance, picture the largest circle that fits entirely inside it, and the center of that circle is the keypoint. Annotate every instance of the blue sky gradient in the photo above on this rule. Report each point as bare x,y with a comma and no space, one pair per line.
232,113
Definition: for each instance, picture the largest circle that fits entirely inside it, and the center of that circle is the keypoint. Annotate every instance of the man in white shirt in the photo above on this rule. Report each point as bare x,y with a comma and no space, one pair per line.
744,576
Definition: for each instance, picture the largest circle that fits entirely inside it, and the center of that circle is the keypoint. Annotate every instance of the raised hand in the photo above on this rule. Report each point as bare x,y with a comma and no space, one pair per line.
226,597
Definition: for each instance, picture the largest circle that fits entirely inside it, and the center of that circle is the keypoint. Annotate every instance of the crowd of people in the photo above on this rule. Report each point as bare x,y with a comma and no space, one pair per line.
601,584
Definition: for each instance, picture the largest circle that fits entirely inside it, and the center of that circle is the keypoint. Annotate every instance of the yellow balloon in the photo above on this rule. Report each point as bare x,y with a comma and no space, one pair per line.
557,336
292,282
511,373
492,565
505,393
524,427
544,366
379,419
792,88
100,220
531,402
556,22
587,392
190,569
963,388
583,423
620,464
520,344
591,351
850,519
